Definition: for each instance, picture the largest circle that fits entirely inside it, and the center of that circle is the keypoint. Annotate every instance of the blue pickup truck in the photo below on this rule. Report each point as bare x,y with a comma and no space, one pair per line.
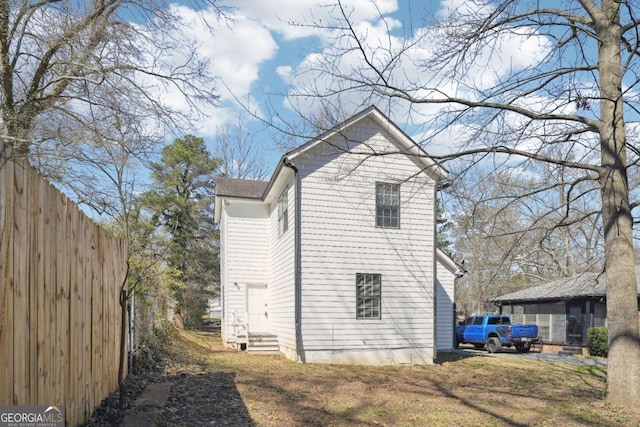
495,331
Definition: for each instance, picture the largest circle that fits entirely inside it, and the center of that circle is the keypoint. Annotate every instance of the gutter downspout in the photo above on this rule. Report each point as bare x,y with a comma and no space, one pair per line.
434,289
300,355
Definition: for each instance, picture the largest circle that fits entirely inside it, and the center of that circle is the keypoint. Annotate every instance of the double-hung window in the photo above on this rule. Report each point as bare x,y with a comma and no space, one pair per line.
368,295
283,212
387,205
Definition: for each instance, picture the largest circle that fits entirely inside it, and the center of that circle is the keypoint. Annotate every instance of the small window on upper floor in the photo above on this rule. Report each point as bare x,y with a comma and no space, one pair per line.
387,205
283,212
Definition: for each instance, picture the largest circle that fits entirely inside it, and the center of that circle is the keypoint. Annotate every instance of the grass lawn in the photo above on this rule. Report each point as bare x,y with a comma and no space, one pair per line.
469,391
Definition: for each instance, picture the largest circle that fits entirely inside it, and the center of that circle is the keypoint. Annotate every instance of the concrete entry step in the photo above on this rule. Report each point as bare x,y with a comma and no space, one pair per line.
570,350
263,343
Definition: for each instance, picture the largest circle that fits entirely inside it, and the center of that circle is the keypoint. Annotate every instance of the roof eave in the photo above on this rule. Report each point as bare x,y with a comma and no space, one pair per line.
449,263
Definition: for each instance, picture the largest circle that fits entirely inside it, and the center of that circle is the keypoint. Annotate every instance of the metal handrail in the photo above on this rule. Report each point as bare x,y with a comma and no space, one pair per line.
240,325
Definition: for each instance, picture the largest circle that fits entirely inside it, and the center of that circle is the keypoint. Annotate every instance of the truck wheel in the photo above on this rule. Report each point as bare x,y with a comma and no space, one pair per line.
493,345
478,346
523,348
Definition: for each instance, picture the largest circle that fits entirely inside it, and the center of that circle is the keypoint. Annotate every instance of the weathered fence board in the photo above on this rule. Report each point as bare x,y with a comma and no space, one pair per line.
6,291
20,290
60,278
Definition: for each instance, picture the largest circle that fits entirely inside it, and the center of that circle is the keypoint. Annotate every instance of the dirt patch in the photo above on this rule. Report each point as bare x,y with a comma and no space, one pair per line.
211,385
205,399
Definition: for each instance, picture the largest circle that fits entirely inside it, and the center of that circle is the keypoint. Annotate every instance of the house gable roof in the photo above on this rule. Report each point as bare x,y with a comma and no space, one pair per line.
405,144
260,190
232,188
581,285
242,188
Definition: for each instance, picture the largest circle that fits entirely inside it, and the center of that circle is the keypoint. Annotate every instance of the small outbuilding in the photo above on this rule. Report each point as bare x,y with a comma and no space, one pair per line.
563,309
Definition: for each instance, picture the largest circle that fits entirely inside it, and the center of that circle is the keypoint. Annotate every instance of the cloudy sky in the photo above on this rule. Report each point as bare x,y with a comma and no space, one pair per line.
260,47
259,53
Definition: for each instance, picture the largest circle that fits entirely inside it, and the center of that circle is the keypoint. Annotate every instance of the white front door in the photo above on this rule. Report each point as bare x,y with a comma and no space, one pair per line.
257,308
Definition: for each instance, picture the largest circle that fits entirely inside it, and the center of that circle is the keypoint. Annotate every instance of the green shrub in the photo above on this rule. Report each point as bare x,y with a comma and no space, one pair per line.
597,338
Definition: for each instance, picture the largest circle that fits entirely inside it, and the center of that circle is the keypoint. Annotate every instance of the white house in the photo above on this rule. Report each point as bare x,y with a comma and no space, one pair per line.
214,309
334,259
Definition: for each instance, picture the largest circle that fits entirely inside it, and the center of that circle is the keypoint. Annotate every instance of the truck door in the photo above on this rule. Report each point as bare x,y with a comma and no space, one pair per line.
474,329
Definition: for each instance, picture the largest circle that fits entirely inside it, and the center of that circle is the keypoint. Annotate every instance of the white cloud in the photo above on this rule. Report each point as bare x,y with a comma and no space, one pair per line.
284,72
236,50
340,57
279,15
239,47
465,7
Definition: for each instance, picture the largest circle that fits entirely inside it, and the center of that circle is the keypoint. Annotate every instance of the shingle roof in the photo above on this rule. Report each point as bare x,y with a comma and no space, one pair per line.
245,188
581,285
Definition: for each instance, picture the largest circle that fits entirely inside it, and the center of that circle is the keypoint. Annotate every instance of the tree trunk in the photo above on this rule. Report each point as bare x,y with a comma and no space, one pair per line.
623,373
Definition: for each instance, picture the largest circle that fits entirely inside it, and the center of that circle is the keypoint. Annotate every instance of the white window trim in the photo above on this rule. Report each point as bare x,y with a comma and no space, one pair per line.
377,297
380,205
283,212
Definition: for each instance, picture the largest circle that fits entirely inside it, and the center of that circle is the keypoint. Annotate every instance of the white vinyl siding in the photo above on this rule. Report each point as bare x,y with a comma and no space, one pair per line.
282,278
245,256
445,311
339,241
224,321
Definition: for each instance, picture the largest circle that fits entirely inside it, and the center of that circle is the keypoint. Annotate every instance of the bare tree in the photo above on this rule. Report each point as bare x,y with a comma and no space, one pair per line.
100,169
561,102
509,242
57,59
238,150
82,95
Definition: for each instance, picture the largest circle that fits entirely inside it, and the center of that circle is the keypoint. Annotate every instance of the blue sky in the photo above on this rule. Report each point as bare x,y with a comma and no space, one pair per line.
259,57
257,52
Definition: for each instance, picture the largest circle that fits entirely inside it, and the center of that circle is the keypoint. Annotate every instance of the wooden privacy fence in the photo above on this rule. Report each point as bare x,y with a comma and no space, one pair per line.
60,278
